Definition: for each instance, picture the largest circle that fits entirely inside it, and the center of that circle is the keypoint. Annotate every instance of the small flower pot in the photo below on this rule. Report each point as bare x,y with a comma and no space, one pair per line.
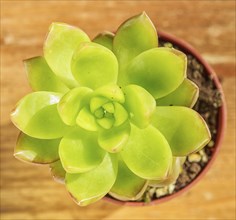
218,136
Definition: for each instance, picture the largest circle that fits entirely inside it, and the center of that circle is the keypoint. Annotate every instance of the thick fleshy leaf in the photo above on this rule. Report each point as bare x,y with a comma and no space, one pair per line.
111,92
79,151
36,150
185,95
134,36
61,42
128,186
105,123
89,187
96,102
58,172
120,114
86,120
172,176
36,115
105,39
184,129
71,103
140,105
41,77
94,66
147,153
160,70
109,107
114,139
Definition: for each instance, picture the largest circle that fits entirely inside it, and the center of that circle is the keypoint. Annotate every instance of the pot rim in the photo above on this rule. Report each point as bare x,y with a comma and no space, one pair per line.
187,48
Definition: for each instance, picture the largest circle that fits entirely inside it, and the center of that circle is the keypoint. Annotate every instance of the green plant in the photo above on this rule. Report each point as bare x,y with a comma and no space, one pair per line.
109,116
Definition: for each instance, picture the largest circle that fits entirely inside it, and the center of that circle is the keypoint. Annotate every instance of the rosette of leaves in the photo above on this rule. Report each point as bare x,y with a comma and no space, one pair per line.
112,115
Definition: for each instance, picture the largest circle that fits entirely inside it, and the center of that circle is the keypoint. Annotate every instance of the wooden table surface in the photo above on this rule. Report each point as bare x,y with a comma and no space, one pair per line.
28,192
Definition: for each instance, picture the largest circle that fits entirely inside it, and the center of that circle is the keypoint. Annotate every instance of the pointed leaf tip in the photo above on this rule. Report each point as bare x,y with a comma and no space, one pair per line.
159,70
87,188
59,46
134,36
41,77
185,130
37,116
185,95
36,150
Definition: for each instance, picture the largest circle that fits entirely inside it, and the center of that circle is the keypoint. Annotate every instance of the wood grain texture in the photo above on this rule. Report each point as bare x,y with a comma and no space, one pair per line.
28,192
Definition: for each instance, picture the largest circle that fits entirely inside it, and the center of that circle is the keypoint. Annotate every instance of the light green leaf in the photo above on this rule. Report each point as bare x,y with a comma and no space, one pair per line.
111,92
134,36
185,95
128,186
184,129
109,107
94,66
160,70
86,120
60,44
105,39
58,172
36,115
79,151
140,105
71,103
105,123
36,150
89,187
120,114
172,175
147,153
96,102
41,77
114,139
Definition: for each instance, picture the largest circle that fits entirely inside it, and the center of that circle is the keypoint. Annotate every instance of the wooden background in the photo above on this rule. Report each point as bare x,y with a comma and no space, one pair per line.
28,192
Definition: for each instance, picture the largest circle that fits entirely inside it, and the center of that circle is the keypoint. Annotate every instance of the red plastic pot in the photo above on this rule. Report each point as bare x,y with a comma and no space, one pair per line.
188,49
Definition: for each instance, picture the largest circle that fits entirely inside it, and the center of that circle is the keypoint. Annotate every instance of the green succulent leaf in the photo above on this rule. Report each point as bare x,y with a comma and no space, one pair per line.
105,39
36,115
41,77
97,102
128,186
109,107
36,150
58,172
147,153
60,44
185,95
114,139
72,102
111,92
86,120
184,129
79,151
172,175
140,105
120,114
94,66
105,123
134,36
89,187
160,70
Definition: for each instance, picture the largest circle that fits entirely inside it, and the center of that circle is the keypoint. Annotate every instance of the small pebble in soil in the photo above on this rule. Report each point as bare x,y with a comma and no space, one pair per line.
162,191
194,157
211,143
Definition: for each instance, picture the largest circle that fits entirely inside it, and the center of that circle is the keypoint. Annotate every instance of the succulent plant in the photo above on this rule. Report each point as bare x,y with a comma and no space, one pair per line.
109,116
